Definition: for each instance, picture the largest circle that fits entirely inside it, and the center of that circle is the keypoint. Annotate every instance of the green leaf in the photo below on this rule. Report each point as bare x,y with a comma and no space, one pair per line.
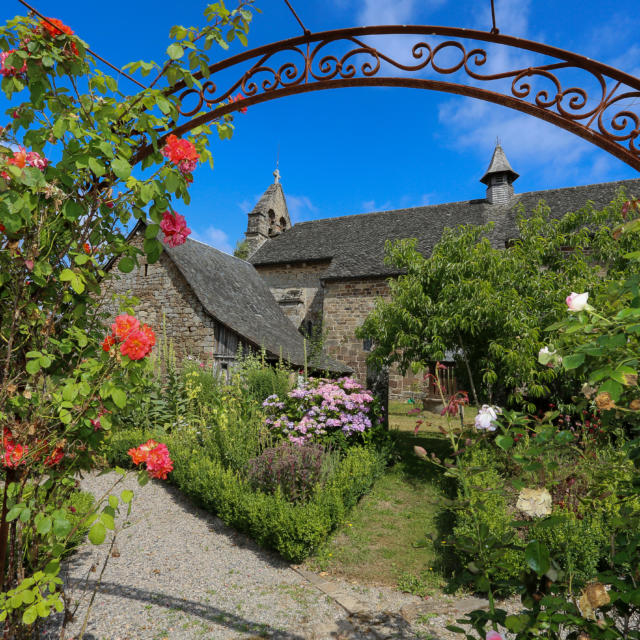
175,51
121,168
44,526
572,361
613,388
504,442
537,557
108,521
153,249
151,231
516,623
33,366
71,210
97,533
96,167
126,264
30,614
119,398
61,527
14,512
113,502
126,496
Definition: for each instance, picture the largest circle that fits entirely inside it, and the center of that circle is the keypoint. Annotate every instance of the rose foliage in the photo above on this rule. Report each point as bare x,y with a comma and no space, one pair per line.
73,180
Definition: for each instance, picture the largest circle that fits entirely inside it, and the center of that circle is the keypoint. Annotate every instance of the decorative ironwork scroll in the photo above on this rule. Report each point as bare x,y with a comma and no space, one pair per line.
588,98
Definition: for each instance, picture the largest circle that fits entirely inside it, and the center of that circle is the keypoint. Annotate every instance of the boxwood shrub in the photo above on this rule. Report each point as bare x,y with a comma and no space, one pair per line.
294,530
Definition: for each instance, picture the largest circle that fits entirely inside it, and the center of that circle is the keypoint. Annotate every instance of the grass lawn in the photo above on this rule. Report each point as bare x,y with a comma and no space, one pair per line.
377,545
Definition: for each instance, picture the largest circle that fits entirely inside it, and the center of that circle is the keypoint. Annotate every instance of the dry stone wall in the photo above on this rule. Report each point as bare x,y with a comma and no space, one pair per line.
167,304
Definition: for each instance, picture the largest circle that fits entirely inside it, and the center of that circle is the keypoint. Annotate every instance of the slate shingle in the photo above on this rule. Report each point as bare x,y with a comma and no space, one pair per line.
355,244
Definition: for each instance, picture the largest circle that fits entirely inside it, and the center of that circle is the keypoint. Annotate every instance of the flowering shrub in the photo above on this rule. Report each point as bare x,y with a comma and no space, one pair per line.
294,469
323,410
80,160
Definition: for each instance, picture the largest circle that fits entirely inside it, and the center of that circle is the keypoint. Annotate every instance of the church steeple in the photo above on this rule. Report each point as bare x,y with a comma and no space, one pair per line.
269,217
499,178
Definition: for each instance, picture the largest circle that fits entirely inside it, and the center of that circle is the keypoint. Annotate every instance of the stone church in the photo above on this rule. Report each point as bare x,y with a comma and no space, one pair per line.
317,277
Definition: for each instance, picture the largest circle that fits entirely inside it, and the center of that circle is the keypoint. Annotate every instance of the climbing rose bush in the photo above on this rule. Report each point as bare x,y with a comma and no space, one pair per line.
321,409
82,158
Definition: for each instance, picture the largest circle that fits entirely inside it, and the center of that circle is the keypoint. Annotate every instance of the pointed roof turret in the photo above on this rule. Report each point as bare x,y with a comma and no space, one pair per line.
499,164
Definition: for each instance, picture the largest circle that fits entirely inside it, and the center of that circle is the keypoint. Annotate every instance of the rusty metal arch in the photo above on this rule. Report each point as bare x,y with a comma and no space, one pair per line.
609,117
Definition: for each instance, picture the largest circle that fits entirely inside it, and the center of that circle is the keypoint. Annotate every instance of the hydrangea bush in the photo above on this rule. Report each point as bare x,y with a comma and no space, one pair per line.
323,410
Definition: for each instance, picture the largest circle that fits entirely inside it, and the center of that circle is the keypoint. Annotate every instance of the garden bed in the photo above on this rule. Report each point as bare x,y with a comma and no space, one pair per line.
293,529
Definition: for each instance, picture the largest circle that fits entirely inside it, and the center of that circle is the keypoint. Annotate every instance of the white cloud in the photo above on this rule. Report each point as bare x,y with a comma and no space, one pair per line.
530,143
214,237
300,208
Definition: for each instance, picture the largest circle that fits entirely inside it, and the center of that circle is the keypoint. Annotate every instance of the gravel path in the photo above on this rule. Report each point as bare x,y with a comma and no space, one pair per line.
178,572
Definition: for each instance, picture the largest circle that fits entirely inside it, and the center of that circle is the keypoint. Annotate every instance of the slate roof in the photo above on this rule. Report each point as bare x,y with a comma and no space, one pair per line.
355,244
232,291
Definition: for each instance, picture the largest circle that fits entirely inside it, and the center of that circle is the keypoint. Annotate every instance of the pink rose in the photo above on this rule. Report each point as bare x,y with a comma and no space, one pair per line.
577,301
494,635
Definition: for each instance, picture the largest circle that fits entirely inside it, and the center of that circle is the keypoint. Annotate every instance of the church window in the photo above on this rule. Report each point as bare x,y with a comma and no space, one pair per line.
146,269
367,344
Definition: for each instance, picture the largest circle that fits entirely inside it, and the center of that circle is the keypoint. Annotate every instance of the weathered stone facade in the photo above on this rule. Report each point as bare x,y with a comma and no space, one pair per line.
167,304
346,306
298,290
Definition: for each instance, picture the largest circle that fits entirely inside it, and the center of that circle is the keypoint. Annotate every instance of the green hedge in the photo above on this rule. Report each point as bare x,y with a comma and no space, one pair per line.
294,530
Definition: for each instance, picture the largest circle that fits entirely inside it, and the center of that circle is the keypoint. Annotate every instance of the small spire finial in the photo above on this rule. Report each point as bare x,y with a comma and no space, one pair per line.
276,173
497,141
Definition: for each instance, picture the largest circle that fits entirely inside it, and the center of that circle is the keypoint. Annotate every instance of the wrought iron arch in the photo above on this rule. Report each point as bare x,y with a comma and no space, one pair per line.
588,98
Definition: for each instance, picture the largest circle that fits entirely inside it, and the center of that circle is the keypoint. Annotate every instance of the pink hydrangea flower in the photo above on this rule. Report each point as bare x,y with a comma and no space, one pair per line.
174,227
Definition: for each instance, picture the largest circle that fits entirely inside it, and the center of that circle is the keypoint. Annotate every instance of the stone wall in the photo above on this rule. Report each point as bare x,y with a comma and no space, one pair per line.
298,290
166,300
346,305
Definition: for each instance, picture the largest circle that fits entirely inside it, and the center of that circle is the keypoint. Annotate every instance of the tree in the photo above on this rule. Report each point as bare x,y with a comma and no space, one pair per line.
69,188
490,306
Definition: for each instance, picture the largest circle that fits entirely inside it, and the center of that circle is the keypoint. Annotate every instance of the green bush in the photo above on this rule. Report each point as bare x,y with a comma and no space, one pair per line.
294,530
266,381
577,540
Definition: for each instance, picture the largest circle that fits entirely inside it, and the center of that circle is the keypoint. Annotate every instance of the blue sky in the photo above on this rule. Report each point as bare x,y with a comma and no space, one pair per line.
364,149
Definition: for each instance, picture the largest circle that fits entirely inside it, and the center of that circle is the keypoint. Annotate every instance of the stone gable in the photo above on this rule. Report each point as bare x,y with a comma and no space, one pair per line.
167,304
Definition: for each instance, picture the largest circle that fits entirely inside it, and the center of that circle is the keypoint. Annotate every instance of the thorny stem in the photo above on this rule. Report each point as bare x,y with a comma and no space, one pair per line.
466,362
95,590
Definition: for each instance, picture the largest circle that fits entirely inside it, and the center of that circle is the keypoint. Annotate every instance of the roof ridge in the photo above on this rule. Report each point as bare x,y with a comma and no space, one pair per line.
459,202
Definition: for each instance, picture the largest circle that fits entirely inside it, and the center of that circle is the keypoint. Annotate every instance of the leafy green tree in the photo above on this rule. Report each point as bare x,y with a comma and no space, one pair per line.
490,305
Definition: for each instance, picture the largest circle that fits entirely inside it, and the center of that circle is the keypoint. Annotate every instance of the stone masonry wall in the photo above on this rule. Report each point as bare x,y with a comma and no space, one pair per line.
164,294
346,305
298,290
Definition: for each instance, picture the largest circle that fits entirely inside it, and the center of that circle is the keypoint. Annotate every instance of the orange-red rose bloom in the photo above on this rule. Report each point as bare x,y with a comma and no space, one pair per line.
124,324
55,27
136,346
